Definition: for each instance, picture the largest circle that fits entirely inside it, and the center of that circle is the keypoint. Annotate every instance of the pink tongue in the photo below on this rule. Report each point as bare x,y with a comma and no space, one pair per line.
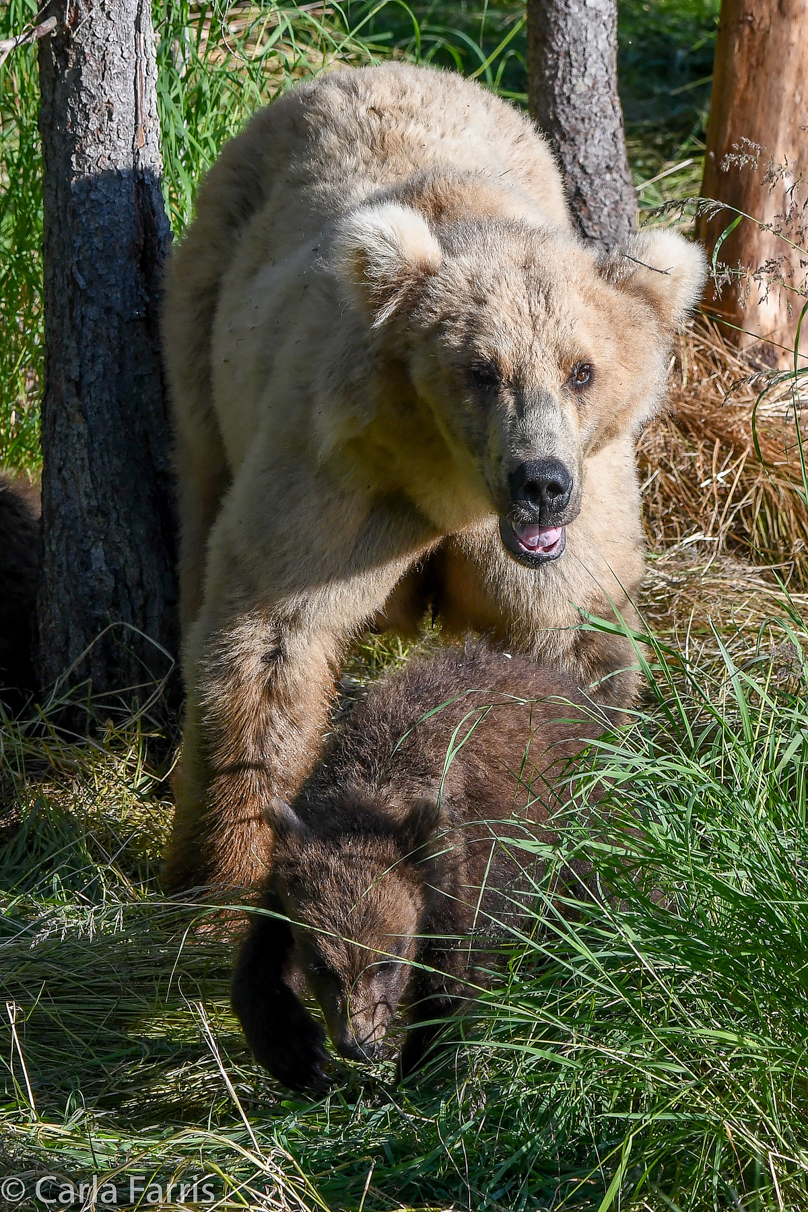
538,538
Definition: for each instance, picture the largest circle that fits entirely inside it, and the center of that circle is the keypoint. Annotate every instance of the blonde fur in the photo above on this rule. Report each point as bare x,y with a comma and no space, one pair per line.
368,239
383,251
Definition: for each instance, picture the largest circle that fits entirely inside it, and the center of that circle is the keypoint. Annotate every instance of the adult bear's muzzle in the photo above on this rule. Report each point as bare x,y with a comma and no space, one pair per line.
534,530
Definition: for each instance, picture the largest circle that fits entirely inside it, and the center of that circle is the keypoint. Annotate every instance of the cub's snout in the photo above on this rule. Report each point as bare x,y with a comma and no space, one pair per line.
354,1045
360,1031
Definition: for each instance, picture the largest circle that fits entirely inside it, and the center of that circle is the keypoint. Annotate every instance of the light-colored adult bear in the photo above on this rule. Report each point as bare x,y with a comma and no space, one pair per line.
396,373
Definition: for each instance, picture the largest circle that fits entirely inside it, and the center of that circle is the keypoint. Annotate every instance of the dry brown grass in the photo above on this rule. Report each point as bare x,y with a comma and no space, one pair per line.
697,602
721,468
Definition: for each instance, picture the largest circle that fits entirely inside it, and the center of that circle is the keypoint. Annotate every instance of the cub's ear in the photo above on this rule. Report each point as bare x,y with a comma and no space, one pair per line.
383,253
419,826
662,267
285,821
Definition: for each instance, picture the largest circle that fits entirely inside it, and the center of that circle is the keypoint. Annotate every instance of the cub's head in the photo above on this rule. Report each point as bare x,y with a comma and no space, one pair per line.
356,895
529,351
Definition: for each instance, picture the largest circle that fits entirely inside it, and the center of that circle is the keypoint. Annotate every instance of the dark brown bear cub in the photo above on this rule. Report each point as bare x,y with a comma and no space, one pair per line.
395,857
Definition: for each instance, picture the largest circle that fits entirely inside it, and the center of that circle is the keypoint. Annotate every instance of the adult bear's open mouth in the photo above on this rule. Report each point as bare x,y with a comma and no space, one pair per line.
533,545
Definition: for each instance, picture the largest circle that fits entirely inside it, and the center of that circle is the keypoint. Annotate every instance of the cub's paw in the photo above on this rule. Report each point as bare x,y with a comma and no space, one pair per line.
416,1049
297,1059
282,1035
286,1040
439,1023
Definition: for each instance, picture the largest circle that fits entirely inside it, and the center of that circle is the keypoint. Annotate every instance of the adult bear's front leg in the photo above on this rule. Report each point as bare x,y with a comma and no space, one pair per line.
254,723
260,663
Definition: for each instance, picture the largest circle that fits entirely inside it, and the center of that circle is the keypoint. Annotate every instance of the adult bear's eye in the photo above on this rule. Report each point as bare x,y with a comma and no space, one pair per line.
485,374
582,375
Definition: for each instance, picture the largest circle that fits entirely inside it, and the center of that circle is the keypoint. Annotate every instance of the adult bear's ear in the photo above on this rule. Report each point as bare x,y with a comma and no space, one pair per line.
662,267
383,253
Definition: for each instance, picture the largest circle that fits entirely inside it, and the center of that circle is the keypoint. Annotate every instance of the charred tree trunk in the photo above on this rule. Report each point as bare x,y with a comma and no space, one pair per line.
572,82
757,149
107,600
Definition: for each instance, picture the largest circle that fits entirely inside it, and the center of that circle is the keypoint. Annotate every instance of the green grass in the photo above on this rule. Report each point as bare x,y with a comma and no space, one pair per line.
665,67
218,63
649,1054
20,248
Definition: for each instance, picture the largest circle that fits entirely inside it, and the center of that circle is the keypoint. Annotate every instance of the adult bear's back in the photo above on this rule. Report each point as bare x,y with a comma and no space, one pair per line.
314,154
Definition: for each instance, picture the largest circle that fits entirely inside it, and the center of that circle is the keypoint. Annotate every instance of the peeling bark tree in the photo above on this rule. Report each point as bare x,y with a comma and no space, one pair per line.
758,127
107,500
572,83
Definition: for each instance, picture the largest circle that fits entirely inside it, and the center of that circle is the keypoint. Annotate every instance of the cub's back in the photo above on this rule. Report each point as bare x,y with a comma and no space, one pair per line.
511,714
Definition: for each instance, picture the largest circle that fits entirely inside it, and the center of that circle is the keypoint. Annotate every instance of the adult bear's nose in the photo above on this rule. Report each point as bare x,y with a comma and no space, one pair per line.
542,487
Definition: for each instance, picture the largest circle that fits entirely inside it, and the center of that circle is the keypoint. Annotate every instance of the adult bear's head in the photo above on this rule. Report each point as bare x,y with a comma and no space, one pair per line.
530,350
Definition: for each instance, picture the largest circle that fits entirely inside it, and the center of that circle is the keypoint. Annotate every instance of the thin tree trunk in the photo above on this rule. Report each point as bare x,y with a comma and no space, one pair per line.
107,500
572,83
757,148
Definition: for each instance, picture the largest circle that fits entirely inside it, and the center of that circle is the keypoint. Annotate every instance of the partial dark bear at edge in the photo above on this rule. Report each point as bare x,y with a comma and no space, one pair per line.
19,570
391,857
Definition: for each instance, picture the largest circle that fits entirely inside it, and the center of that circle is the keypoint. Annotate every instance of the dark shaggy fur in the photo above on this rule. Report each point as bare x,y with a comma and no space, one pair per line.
19,566
394,856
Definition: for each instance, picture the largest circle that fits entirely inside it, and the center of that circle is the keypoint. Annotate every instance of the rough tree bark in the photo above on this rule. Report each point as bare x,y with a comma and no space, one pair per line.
107,500
572,84
759,124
